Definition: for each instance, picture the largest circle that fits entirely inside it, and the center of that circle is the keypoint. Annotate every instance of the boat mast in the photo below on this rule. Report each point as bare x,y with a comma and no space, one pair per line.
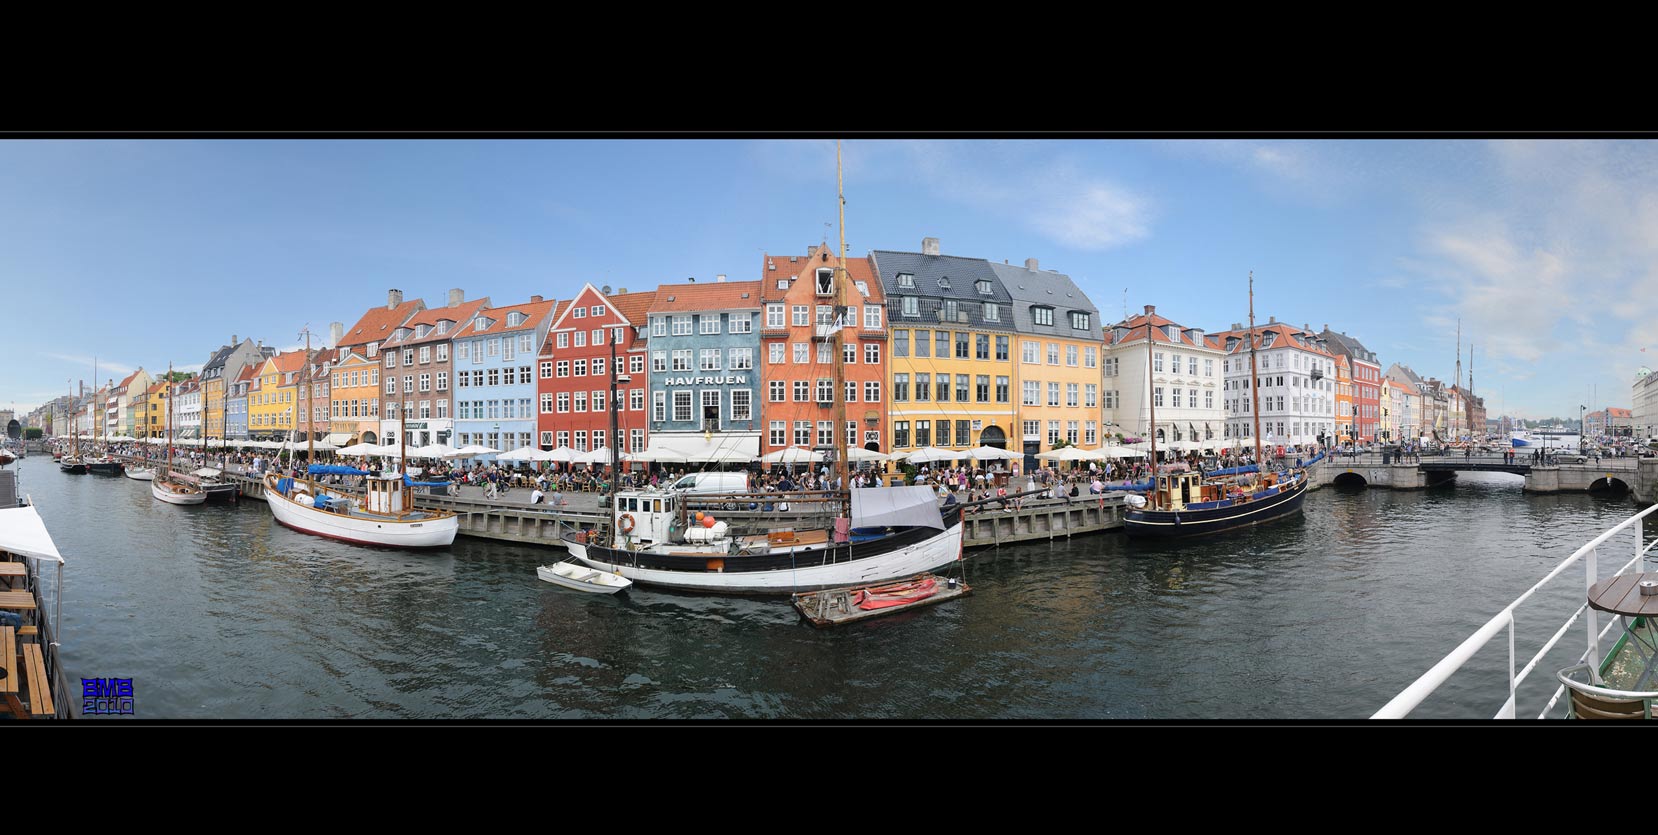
1151,390
310,384
838,358
1254,382
615,429
169,420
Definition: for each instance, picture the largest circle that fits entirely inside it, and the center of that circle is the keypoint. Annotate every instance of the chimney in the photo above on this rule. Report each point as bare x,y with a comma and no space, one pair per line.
336,333
622,291
1326,327
393,299
456,296
929,246
233,342
1030,264
535,300
1150,309
720,277
1272,320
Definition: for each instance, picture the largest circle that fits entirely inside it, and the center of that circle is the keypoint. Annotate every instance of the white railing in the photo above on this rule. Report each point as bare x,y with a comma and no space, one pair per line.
1408,699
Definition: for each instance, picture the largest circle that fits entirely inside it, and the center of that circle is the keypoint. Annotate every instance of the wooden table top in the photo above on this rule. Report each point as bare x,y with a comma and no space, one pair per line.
1620,596
16,600
13,569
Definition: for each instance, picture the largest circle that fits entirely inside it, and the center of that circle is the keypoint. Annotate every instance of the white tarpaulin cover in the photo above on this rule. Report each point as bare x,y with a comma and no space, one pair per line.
22,532
728,447
878,507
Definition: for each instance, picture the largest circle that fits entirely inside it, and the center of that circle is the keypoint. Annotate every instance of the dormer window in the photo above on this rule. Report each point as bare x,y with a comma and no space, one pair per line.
782,284
1042,315
481,324
943,282
1079,321
863,288
515,319
825,281
443,325
983,287
906,280
422,330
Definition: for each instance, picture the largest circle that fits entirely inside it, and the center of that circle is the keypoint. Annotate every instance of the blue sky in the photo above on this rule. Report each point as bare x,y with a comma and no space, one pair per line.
145,251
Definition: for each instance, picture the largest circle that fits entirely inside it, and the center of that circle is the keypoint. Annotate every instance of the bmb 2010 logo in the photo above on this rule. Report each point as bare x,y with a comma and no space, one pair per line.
106,696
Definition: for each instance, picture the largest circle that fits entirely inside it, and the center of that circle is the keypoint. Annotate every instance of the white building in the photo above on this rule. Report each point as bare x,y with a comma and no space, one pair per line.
1644,412
1181,371
1297,393
188,403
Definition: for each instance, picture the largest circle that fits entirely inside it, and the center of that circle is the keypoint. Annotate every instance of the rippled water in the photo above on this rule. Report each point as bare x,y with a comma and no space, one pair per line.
216,611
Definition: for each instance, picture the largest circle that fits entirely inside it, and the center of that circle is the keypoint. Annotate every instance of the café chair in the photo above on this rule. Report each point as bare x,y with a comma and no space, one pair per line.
1590,700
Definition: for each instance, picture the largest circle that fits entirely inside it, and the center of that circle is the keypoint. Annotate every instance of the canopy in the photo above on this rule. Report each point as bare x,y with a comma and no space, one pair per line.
562,454
791,455
22,532
858,453
433,451
602,455
1114,451
330,469
990,453
474,449
208,472
528,453
360,449
339,438
896,506
721,447
1072,453
933,453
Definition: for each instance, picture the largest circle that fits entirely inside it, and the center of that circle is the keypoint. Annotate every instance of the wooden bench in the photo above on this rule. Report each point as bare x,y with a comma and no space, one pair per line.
40,687
8,660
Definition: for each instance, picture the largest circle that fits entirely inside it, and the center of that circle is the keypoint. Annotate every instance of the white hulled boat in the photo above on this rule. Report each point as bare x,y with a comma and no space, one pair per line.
382,517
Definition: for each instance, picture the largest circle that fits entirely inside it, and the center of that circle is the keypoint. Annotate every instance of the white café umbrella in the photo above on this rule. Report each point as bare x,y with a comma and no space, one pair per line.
791,455
990,453
528,453
563,455
475,449
929,454
360,449
602,455
433,451
858,453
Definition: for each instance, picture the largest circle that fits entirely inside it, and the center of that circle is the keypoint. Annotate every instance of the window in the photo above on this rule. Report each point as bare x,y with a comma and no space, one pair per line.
825,390
659,362
563,438
682,361
741,359
581,401
425,382
636,364
598,401
872,318
778,434
581,434
825,353
961,388
872,353
961,345
825,315
597,310
950,310
774,316
408,356
659,406
598,366
598,339
1071,432
1053,432
1053,394
1053,353
682,326
872,391
983,287
900,388
800,315
851,391
802,391
391,359
408,383
901,343
923,433
709,360
924,387
636,440
1079,321
803,433
991,312
1110,398
909,307
1071,395
775,350
1090,395
710,323
1042,315
942,392
981,388
546,404
564,340
801,356
659,327
636,400
578,313
825,284
494,377
1157,396
901,433
682,405
1191,399
849,353
742,404
1071,355
941,345
1032,391
546,370
906,280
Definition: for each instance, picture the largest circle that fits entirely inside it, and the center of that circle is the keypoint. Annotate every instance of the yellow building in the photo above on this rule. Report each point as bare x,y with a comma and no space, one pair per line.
1056,372
354,399
272,402
155,421
950,358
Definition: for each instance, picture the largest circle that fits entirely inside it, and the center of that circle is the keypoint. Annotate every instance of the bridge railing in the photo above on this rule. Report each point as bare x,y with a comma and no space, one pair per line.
1409,698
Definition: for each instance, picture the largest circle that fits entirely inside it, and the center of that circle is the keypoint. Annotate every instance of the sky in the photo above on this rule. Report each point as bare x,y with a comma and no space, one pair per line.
144,252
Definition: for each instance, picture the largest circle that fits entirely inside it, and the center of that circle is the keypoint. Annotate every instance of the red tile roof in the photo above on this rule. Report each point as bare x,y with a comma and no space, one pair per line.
1619,413
249,371
1401,385
1284,332
1137,331
377,324
718,295
128,380
430,316
534,312
291,361
857,269
635,307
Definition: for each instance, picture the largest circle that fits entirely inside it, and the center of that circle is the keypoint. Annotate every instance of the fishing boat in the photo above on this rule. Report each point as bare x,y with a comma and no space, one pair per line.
104,465
581,578
384,515
213,484
1182,502
653,538
166,486
834,607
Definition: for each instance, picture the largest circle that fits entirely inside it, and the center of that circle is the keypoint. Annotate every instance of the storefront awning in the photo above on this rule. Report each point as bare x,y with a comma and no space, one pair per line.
338,438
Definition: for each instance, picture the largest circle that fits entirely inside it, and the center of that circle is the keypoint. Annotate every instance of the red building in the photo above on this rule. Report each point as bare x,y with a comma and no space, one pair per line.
573,380
1367,381
797,298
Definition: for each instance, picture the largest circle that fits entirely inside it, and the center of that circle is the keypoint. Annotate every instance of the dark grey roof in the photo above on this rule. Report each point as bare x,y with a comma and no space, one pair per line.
963,274
1043,288
217,361
1348,346
1404,371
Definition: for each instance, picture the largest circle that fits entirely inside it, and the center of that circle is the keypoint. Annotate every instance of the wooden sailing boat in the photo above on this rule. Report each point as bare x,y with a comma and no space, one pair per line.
384,516
166,486
1194,503
900,530
72,463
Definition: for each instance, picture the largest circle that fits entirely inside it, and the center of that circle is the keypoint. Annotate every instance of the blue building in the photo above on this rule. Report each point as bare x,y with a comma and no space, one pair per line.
495,379
236,405
704,389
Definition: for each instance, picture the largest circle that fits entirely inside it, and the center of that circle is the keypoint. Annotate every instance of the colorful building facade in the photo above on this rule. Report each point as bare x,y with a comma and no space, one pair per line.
422,347
594,338
495,399
354,399
1057,368
704,389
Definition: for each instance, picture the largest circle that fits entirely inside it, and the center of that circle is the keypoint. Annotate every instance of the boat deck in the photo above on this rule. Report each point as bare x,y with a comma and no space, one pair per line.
1624,664
834,607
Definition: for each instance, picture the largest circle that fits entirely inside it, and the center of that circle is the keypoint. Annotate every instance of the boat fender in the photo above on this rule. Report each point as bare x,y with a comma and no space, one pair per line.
628,523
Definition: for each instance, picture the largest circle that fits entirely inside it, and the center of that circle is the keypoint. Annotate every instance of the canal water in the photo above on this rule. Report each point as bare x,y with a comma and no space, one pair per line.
218,612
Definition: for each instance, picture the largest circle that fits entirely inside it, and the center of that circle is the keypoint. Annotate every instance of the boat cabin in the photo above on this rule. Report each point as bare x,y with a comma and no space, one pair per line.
385,494
644,517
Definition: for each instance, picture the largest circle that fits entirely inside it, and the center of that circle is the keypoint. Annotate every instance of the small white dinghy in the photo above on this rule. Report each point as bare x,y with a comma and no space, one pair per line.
140,474
582,578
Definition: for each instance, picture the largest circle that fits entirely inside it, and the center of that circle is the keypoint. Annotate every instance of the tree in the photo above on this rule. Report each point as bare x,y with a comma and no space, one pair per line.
33,433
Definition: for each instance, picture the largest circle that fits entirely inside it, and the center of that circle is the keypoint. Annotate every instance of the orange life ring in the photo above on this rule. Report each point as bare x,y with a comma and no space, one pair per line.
627,523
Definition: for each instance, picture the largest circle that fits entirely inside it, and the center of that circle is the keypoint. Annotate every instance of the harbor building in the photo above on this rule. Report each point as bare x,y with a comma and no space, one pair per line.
495,400
236,403
703,387
797,369
354,399
1643,413
376,325
574,371
1297,387
1365,372
1151,360
224,366
187,400
272,410
311,407
1346,431
155,423
951,358
1057,372
422,347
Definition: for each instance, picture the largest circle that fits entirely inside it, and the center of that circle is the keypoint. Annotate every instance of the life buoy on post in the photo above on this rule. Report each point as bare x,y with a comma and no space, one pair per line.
627,523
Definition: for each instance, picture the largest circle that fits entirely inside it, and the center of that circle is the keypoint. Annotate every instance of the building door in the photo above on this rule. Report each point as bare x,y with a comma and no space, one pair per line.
993,436
1031,449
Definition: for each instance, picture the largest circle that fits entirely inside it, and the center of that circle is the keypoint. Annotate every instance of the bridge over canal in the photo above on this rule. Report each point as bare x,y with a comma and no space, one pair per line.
1638,476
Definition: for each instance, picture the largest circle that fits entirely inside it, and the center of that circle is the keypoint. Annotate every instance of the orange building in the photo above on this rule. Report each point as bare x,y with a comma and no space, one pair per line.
797,299
1344,400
